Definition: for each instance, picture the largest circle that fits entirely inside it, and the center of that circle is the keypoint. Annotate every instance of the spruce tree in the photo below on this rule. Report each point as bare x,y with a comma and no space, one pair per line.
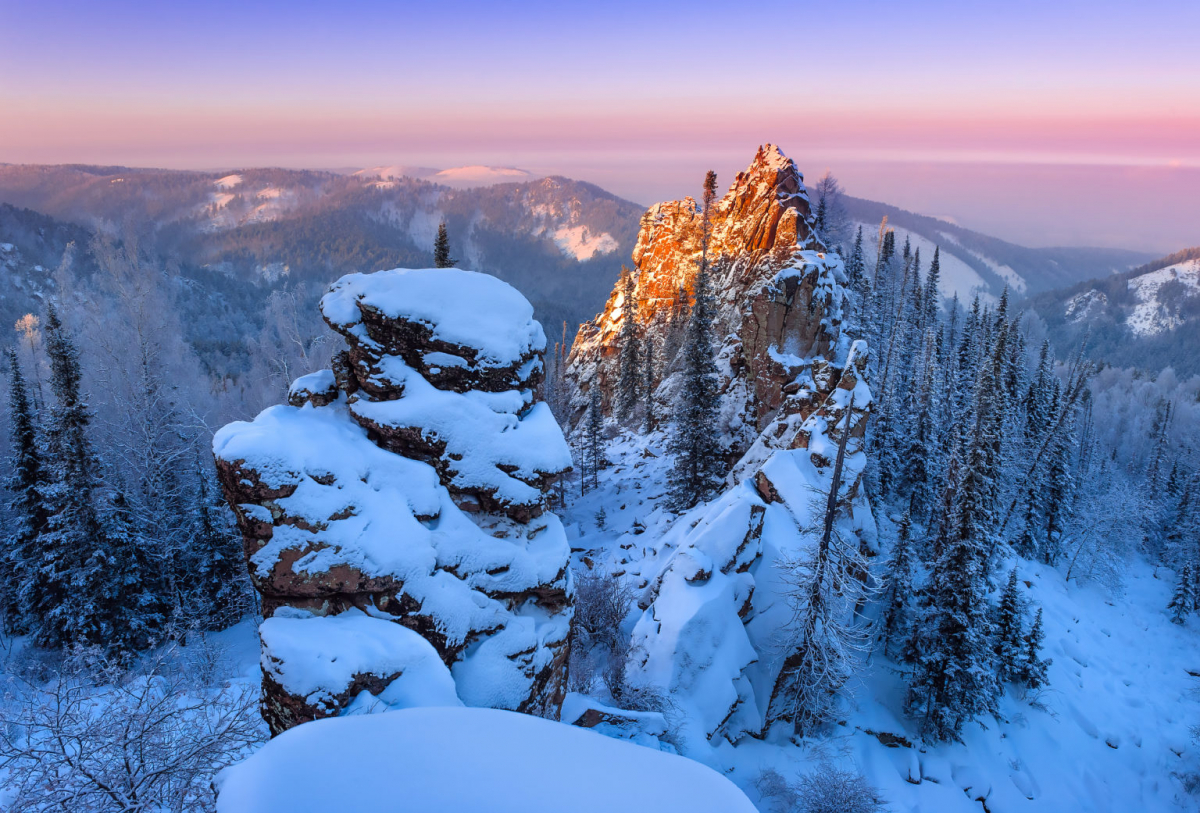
593,440
1183,601
73,528
896,620
441,249
123,611
1008,631
27,509
649,418
217,563
1033,670
954,682
933,295
697,470
1059,487
630,371
856,268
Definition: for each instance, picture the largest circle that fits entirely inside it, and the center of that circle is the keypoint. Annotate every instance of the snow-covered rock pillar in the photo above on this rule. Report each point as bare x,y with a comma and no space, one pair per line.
394,511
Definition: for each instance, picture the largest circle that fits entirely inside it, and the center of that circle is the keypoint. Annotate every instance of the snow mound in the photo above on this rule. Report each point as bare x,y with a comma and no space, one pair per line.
466,761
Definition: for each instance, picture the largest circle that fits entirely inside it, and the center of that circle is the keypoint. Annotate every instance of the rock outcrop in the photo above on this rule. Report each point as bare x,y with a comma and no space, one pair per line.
396,508
779,299
715,595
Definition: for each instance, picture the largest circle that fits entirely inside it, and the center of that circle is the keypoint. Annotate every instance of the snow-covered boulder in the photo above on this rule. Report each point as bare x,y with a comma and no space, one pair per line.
322,666
462,760
424,510
462,330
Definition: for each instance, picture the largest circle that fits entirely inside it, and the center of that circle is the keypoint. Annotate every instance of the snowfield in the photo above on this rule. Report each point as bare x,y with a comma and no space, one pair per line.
466,761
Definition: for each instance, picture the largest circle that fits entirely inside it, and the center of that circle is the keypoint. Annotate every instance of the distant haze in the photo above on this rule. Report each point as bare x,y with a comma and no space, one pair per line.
1044,123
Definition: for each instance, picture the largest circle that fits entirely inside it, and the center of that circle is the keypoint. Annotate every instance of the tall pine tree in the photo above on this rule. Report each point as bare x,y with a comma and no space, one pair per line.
27,509
630,371
441,249
698,469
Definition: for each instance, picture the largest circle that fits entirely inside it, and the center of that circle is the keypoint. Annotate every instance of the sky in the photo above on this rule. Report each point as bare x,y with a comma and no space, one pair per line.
1048,123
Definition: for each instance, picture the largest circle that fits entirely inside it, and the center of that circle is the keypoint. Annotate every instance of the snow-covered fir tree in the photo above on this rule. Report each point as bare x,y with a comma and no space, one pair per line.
698,470
953,682
649,373
1183,600
27,508
1008,630
593,442
896,615
441,248
630,372
1034,668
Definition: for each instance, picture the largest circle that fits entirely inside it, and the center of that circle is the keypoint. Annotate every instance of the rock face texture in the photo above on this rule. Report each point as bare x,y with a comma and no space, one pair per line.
779,299
394,508
715,587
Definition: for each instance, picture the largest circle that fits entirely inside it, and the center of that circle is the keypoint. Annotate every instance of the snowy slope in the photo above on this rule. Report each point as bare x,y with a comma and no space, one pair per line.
1110,733
957,277
1154,313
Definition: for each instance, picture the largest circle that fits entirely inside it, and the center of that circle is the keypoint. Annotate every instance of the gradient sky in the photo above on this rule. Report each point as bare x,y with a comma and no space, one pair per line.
1070,112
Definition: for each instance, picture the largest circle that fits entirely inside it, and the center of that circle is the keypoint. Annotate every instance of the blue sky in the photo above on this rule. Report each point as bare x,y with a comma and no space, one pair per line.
636,96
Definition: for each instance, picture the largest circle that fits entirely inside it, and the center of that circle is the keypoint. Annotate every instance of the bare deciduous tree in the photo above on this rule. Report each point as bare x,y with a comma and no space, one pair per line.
101,738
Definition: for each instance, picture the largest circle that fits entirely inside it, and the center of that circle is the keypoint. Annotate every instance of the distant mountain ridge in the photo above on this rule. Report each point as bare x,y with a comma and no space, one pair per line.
561,241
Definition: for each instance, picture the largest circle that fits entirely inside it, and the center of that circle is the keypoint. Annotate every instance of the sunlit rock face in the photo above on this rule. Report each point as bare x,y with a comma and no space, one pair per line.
779,296
393,511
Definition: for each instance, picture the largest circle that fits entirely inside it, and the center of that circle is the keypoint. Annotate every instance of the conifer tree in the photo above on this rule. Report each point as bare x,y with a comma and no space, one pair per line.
73,527
1033,671
593,440
896,620
649,418
1059,485
217,568
855,268
953,682
123,610
441,249
1183,601
630,373
933,295
27,509
697,471
1008,631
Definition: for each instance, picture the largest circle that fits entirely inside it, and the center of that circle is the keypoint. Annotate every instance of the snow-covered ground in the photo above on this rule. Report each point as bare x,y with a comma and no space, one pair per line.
579,242
1110,734
1151,315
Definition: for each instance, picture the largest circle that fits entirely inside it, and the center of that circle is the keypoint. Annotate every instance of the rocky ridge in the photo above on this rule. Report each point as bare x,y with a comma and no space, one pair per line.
779,300
395,508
